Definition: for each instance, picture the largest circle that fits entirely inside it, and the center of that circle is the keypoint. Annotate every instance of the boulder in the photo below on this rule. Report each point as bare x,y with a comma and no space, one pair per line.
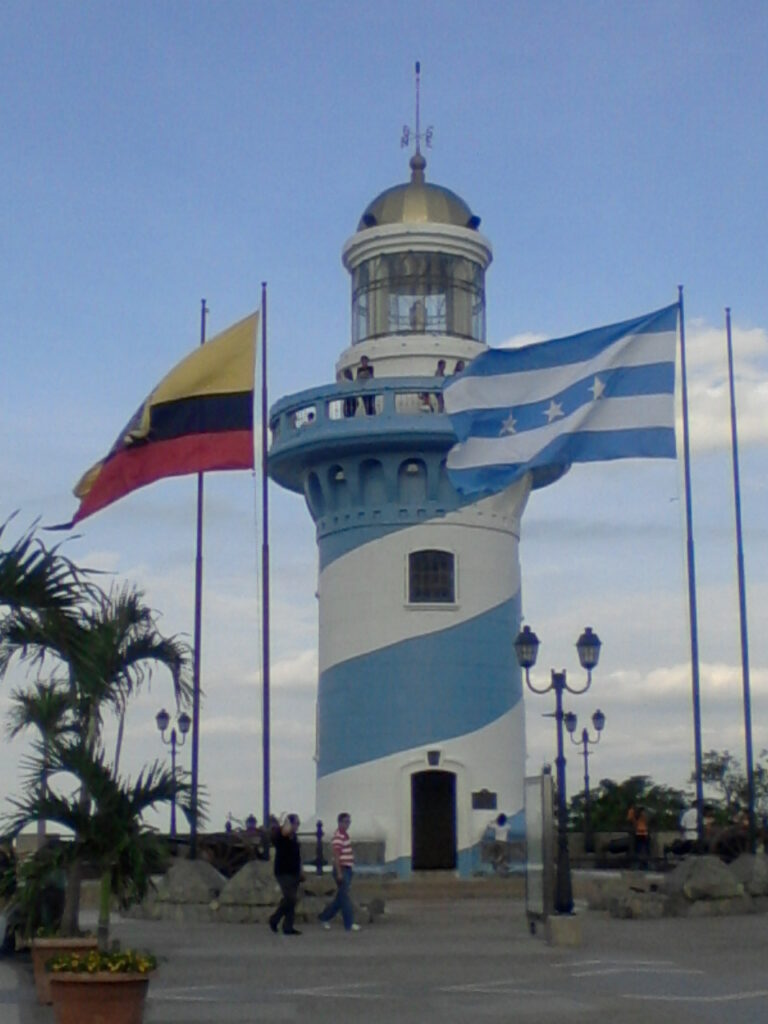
720,908
190,881
702,878
751,869
601,892
637,905
253,885
320,886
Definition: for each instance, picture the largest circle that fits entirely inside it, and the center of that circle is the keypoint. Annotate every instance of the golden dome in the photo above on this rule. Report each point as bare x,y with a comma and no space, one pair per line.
418,202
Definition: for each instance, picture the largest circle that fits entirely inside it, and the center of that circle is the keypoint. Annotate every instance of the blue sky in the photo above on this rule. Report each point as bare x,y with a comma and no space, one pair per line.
155,154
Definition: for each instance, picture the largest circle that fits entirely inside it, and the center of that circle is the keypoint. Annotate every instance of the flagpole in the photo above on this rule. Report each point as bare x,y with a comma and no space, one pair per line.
197,640
695,686
742,593
265,712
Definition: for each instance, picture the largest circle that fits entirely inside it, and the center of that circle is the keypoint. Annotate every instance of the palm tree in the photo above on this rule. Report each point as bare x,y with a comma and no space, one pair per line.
108,648
108,827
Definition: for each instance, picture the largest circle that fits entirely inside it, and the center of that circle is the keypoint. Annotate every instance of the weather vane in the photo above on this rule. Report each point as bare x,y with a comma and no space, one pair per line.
417,135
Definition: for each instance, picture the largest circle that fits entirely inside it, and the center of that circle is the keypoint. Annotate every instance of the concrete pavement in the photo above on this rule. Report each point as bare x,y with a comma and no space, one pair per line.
443,961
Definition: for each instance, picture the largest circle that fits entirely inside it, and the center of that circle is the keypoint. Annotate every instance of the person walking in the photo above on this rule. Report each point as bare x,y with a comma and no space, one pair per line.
288,873
343,864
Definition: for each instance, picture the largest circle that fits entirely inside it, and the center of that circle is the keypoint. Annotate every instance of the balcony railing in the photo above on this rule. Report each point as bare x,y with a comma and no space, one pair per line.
356,402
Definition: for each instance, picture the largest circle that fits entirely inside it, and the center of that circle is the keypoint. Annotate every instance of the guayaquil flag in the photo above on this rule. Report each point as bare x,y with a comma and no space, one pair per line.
604,394
198,418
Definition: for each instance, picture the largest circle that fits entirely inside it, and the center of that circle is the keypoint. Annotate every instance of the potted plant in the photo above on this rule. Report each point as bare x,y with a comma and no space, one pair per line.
100,988
106,644
44,947
109,833
34,891
111,837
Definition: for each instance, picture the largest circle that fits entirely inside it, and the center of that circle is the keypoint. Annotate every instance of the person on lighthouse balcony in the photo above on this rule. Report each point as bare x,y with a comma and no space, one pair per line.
365,372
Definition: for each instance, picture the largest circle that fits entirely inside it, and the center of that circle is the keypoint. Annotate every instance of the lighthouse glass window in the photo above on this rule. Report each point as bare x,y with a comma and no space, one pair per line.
431,577
418,293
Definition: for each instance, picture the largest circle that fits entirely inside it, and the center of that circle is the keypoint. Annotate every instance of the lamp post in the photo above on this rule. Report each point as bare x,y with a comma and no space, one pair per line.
598,721
183,721
526,650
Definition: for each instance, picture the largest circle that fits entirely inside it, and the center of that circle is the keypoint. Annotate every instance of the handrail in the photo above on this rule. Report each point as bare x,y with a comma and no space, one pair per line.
331,403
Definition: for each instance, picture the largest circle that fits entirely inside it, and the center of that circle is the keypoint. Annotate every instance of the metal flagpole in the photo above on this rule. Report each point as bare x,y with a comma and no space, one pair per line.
197,639
691,585
742,594
265,561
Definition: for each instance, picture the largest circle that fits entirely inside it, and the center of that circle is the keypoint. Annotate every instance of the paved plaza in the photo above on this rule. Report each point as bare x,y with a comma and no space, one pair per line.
443,961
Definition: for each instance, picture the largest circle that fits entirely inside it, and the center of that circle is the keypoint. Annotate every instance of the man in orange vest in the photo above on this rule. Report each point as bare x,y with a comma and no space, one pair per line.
638,824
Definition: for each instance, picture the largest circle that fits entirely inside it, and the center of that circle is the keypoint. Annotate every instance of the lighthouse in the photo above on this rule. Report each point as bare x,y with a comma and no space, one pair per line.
419,721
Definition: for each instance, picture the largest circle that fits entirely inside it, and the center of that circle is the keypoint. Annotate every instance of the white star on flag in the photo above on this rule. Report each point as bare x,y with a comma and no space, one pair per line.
508,426
553,411
597,389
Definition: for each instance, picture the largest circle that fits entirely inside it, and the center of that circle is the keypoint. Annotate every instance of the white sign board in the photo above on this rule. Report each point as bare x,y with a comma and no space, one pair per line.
539,867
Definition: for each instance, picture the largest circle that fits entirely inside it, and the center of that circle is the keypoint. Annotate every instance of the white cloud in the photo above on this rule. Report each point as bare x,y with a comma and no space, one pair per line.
522,339
297,674
720,681
708,389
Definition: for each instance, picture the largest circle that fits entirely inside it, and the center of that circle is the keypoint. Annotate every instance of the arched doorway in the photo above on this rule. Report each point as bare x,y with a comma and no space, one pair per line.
433,821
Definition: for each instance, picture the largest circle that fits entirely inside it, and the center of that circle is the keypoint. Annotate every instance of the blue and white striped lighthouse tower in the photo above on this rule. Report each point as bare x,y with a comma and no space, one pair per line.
420,726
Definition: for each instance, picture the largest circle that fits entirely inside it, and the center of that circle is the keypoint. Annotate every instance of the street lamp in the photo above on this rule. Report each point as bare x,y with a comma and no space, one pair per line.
183,721
598,721
526,650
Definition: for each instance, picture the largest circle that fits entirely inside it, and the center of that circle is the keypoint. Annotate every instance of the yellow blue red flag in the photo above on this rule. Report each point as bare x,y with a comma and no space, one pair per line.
198,418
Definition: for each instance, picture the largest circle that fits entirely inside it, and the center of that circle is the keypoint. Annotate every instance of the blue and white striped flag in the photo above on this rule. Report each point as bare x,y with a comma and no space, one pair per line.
603,394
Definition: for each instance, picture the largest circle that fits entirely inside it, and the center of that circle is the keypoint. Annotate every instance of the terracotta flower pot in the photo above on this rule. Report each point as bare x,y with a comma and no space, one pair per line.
43,949
101,998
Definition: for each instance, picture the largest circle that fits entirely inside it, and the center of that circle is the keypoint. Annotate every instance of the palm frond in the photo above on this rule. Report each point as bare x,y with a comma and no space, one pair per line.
45,707
111,819
38,578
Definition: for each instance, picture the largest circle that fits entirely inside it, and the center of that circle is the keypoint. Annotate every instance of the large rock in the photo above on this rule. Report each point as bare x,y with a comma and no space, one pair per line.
752,871
190,881
719,908
605,893
320,886
637,905
253,885
702,878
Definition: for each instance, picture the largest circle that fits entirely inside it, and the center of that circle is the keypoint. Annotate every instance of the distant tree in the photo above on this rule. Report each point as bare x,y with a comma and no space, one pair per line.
610,803
722,773
761,784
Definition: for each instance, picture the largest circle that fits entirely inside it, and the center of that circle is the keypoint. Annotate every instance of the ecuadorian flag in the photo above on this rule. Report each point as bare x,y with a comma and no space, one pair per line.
198,418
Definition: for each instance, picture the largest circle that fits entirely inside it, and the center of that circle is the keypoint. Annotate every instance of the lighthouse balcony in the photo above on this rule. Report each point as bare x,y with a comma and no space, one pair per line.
402,414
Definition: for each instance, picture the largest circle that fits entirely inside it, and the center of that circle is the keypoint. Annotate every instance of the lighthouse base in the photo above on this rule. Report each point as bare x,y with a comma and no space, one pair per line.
432,806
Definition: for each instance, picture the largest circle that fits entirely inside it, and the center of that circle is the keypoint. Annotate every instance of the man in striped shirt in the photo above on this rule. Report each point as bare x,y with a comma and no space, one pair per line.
343,863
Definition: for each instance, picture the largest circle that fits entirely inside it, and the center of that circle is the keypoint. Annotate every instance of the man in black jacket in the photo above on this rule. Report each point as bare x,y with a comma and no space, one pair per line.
288,873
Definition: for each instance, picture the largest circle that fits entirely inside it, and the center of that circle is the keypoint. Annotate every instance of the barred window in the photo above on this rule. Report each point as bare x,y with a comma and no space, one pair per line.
431,577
